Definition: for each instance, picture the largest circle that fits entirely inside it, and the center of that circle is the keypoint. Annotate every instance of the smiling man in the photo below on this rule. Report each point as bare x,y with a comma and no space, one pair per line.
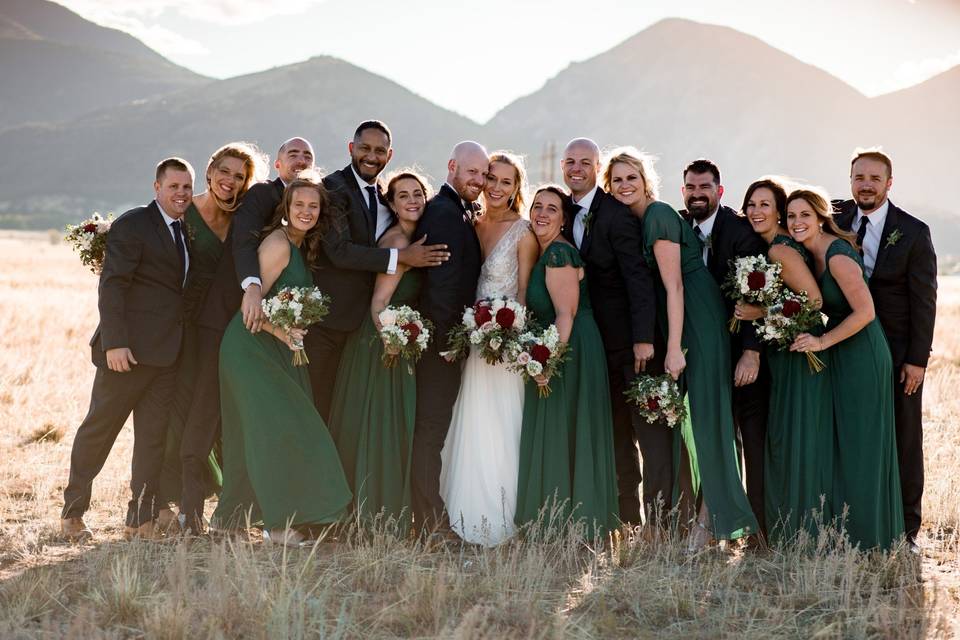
135,349
351,259
901,267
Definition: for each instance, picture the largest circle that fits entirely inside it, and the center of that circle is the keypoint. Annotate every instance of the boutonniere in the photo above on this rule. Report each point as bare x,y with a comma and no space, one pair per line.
189,231
893,238
587,219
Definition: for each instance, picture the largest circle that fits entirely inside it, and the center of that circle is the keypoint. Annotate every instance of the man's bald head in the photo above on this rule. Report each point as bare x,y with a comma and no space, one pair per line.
580,165
294,156
467,169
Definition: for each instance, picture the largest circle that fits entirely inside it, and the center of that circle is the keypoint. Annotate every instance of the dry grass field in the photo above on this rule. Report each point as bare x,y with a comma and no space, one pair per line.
374,585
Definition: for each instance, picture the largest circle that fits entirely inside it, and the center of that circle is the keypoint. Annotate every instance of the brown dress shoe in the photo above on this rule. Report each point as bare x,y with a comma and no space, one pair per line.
168,522
74,530
146,531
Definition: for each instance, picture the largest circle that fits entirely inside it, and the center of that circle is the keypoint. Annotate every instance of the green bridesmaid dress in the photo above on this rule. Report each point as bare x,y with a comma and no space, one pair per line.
707,377
372,416
566,439
866,473
798,458
205,252
279,462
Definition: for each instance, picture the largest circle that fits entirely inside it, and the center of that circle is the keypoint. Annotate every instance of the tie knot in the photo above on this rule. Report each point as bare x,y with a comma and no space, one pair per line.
176,225
371,189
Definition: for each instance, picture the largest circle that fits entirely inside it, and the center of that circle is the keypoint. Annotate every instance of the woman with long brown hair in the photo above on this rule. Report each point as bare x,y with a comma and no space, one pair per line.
866,476
281,467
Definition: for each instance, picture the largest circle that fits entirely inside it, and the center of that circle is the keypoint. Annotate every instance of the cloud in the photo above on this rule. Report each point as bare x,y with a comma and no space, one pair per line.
913,71
224,12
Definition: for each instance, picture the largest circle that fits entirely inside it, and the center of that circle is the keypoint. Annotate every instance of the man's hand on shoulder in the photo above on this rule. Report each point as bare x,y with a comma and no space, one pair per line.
251,309
120,359
420,254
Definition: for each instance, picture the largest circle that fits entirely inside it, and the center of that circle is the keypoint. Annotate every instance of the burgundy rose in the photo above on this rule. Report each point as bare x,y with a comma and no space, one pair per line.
90,228
482,315
540,353
505,318
790,308
756,280
653,403
413,331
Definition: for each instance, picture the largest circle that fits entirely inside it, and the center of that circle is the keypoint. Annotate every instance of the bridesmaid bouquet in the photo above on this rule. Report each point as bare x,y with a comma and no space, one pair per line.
296,308
658,397
537,353
405,334
489,325
755,280
786,319
89,239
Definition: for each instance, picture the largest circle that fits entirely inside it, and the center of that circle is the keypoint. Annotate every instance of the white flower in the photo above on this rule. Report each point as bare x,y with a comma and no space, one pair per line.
534,368
388,317
496,305
476,337
523,358
495,343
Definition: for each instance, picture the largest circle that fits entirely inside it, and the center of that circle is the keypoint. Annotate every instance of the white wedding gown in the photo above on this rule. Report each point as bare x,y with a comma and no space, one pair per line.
478,479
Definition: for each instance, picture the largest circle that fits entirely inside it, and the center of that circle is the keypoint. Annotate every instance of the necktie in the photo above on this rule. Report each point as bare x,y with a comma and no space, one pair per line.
705,253
181,250
372,202
862,232
579,229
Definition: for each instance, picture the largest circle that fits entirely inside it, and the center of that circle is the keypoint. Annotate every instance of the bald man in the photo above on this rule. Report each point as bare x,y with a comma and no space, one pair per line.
447,289
609,238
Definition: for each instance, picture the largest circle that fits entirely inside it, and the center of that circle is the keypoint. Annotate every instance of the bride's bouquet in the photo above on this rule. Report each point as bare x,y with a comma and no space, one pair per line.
405,334
489,325
658,397
787,318
89,239
296,308
536,353
754,280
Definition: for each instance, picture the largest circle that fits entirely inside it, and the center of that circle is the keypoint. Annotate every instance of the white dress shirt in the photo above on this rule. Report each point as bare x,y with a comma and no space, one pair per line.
871,239
706,228
384,218
579,223
186,252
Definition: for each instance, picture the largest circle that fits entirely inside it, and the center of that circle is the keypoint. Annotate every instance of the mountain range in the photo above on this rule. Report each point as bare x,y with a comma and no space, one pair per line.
87,111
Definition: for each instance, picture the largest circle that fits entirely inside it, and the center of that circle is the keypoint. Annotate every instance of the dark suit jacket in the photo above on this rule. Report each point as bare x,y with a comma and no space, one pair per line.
732,237
239,260
350,259
450,287
141,291
903,283
620,282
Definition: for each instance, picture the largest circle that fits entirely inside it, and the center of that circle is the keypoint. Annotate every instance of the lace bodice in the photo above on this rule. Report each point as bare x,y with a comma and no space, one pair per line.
500,271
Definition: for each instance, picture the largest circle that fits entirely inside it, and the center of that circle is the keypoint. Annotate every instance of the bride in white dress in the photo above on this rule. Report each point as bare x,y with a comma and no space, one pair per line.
478,479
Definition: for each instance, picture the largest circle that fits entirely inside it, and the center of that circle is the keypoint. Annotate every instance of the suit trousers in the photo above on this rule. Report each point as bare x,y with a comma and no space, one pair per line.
146,392
655,441
908,414
438,383
324,347
751,404
201,427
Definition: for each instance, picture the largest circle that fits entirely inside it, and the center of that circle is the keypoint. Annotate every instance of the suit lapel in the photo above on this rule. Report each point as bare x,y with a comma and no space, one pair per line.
165,237
891,222
848,212
358,198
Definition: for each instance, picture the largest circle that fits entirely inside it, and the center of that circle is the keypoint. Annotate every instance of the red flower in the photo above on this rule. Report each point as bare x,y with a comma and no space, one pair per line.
653,403
540,353
756,280
90,228
505,318
285,296
482,315
413,331
790,308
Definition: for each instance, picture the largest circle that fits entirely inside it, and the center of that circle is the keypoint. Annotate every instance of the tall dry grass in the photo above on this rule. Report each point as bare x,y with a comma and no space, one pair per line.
376,584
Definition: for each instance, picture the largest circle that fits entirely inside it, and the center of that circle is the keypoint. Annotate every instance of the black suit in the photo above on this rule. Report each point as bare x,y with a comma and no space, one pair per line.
732,237
904,289
217,308
346,271
624,304
447,289
141,308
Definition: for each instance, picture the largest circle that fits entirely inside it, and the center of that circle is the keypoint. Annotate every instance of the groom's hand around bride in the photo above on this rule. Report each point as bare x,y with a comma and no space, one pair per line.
251,309
120,359
420,254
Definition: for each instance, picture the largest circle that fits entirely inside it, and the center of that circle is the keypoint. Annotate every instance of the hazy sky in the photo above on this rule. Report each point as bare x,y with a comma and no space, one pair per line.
475,57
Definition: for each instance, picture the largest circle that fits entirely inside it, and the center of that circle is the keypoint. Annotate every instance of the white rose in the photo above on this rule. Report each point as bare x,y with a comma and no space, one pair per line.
489,326
495,343
388,317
